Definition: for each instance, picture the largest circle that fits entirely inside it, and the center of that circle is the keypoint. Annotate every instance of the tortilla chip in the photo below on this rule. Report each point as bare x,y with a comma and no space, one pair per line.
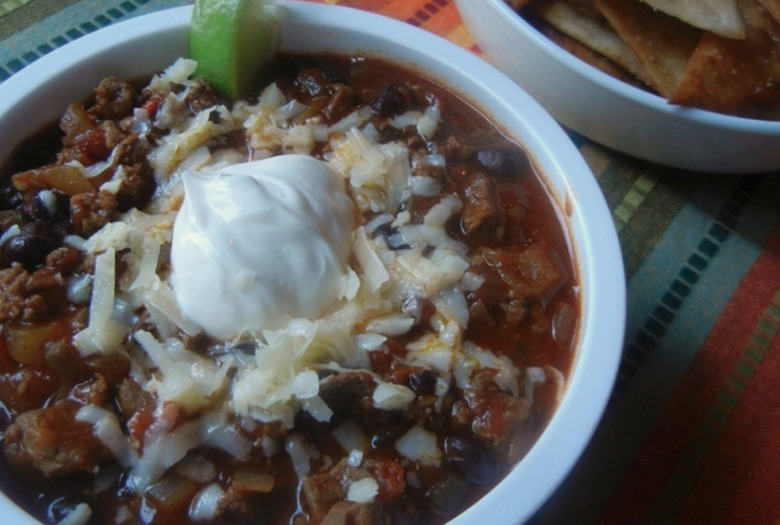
662,42
584,53
585,7
517,4
740,77
773,6
719,16
596,34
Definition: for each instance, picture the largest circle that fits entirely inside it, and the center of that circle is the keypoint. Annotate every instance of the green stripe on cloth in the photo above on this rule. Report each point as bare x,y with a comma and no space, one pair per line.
72,22
632,201
651,218
11,5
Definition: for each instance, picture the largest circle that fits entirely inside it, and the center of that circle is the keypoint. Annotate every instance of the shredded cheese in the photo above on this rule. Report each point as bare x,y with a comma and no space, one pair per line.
103,334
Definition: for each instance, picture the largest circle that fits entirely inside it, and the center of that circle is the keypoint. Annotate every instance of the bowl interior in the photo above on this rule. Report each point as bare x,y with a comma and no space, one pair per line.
141,46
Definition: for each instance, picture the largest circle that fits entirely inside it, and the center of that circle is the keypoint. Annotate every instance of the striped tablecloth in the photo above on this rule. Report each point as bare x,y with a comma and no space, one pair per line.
692,433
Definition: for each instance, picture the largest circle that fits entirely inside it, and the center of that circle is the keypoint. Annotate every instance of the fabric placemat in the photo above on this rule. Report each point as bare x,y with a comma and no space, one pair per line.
692,431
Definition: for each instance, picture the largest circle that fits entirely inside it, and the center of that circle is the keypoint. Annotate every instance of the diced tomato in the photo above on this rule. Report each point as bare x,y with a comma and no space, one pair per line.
26,389
152,105
92,143
381,361
400,374
396,348
390,477
137,426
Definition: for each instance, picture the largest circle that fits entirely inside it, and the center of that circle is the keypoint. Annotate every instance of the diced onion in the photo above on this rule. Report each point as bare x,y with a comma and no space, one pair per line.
420,445
299,454
205,504
363,490
80,515
351,437
391,325
355,458
390,396
425,186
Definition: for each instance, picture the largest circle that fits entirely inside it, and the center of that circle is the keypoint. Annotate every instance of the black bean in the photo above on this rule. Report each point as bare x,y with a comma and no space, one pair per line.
384,230
10,198
60,508
312,82
393,100
388,232
504,159
471,459
30,247
386,435
48,205
446,496
331,75
423,383
244,347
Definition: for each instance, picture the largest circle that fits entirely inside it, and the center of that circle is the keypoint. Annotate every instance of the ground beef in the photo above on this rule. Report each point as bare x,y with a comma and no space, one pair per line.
455,147
114,135
497,417
201,96
52,442
91,211
132,398
26,388
132,167
28,297
481,207
323,493
114,99
63,260
137,186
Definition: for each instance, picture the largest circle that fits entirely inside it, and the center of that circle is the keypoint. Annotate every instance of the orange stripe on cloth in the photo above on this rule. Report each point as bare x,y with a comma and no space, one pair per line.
726,411
741,484
437,16
405,10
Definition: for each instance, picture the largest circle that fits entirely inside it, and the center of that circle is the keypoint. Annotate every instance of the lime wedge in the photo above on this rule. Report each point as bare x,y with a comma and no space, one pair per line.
232,40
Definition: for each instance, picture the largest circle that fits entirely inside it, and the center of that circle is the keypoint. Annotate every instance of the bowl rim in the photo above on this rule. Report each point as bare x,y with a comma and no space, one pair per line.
581,197
621,89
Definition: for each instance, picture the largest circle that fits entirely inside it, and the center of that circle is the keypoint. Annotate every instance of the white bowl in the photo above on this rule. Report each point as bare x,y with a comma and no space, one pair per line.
612,112
39,93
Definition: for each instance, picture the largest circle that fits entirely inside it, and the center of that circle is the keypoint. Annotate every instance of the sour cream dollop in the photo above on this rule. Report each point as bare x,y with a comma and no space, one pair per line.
259,243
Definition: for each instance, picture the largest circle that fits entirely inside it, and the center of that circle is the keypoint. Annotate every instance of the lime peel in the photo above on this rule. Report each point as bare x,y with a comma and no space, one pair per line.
232,40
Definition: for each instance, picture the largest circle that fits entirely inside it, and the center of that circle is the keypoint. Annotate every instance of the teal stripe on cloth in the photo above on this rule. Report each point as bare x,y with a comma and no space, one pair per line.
632,415
28,45
698,236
